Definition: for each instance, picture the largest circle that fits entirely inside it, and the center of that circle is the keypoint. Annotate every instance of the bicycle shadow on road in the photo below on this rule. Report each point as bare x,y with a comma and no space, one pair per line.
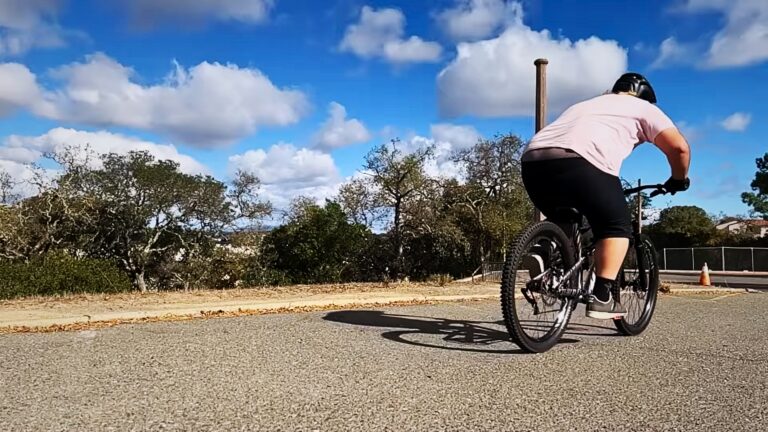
456,335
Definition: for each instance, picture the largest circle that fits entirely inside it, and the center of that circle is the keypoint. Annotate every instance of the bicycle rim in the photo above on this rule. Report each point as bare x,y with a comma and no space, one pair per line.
639,284
537,321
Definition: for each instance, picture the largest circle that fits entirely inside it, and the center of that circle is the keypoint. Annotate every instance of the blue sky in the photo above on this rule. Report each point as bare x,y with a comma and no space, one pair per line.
299,91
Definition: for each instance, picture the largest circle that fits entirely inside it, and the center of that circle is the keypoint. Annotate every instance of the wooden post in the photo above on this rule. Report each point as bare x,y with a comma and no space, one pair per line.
541,93
541,107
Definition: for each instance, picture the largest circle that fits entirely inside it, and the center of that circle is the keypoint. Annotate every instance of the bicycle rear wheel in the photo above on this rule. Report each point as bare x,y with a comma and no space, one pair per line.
638,287
534,313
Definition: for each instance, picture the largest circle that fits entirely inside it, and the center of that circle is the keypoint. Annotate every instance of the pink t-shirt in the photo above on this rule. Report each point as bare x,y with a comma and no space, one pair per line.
604,130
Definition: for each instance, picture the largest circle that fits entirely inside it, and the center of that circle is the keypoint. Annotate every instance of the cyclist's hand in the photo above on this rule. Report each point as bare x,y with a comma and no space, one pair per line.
673,185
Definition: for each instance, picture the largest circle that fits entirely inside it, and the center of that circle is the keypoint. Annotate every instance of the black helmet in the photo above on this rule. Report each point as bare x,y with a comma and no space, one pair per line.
635,84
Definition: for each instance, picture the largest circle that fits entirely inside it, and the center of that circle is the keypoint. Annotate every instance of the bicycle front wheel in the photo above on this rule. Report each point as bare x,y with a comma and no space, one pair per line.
638,287
535,314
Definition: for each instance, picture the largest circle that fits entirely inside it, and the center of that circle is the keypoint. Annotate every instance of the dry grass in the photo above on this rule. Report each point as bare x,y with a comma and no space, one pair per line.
137,299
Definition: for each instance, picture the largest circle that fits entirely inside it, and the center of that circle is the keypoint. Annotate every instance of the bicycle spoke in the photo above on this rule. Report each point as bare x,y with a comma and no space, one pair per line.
538,309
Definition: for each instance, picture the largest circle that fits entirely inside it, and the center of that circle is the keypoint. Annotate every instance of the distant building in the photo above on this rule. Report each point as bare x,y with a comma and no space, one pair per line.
758,227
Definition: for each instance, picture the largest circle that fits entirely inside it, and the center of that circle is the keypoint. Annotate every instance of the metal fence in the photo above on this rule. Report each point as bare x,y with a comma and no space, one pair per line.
489,272
717,258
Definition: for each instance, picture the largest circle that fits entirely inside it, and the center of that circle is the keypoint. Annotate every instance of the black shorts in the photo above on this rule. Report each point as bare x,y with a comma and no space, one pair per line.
576,183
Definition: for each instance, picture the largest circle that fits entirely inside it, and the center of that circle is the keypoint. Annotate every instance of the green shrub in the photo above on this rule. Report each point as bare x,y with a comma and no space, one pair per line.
263,277
58,274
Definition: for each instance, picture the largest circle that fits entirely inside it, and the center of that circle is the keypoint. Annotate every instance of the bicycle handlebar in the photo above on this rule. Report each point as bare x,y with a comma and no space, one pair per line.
658,190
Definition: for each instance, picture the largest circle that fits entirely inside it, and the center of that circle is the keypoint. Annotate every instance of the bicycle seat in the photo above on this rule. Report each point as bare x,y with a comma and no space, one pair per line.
566,215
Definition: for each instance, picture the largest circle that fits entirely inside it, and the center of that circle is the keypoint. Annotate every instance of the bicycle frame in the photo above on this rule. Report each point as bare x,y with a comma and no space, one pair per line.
584,253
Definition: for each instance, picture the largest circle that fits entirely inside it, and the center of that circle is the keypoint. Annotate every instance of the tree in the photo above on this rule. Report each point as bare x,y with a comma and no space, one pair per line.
433,241
7,186
318,244
758,199
143,212
491,202
683,226
299,208
359,201
397,177
32,226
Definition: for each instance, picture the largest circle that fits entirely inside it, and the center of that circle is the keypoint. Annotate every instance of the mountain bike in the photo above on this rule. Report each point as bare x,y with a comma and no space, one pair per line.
537,309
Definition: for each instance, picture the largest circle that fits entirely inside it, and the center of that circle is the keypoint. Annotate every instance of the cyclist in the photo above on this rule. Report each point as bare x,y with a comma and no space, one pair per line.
574,163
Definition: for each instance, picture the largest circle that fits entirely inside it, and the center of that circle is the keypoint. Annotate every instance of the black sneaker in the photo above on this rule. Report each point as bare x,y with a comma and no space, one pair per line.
605,310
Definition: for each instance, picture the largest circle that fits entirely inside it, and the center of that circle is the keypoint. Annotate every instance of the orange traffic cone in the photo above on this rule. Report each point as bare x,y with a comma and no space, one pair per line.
704,277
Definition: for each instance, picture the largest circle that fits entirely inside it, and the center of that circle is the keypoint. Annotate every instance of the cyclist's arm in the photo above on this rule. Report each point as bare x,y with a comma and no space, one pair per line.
676,148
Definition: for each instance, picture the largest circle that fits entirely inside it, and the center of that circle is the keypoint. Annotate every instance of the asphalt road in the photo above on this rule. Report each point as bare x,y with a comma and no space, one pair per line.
702,365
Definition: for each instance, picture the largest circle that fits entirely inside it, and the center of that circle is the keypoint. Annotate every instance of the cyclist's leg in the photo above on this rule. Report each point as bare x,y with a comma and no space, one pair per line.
543,182
600,198
611,225
609,255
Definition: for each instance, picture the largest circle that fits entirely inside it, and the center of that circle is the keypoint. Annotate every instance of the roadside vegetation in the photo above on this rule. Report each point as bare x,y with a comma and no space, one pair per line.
114,223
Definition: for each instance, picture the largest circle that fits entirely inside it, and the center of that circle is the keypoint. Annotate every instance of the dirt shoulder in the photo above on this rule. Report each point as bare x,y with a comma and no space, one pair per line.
77,312
35,314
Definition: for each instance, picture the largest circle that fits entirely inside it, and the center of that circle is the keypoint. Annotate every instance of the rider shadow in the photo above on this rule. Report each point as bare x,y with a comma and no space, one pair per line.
458,335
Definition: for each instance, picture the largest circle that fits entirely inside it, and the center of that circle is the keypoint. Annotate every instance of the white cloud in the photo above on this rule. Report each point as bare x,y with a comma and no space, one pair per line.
640,47
458,136
287,172
150,12
471,20
18,88
21,175
446,139
18,152
743,40
338,132
24,14
440,164
27,24
15,42
497,77
27,149
737,122
380,34
412,50
672,52
206,105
